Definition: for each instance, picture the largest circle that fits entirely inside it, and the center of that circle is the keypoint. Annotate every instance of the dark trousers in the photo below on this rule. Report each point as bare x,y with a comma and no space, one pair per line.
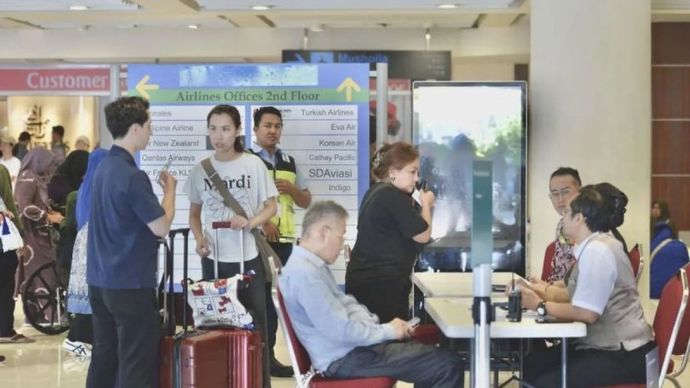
283,250
423,365
252,297
81,329
386,298
586,367
126,329
8,266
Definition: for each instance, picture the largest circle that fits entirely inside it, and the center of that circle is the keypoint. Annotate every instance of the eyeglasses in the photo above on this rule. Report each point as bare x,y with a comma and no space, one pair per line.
562,193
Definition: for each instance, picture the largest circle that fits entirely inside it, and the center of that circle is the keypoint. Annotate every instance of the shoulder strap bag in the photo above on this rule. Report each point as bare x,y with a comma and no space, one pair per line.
266,253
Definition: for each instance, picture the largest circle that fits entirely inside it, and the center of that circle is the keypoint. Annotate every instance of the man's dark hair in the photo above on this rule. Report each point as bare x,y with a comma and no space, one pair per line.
234,114
59,129
122,113
259,113
590,203
565,171
24,136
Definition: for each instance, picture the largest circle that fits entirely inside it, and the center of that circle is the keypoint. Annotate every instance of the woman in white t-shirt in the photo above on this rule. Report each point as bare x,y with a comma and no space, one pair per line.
248,180
8,159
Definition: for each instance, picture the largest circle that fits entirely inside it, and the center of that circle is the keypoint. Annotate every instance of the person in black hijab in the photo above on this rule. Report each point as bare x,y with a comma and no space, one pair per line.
67,179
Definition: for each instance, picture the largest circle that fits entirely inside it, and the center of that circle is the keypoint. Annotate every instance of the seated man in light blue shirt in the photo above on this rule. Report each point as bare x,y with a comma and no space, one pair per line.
343,339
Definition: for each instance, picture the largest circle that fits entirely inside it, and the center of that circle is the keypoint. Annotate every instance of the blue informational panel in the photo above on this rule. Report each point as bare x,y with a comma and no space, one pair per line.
325,110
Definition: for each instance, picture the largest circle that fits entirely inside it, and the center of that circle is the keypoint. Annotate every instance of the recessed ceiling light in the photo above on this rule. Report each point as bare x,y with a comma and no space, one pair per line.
316,28
193,26
261,7
78,8
447,6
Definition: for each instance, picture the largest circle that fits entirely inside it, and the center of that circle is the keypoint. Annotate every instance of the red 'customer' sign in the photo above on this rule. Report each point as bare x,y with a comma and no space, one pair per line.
85,80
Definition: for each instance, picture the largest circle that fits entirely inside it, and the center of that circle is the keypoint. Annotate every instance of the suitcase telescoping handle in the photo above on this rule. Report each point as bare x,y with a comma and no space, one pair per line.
185,264
225,225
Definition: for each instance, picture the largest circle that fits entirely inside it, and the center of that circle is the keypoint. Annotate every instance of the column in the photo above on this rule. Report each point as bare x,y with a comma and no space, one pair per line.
590,109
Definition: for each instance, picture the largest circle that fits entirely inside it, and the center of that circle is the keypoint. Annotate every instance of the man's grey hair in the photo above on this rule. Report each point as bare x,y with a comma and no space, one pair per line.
320,210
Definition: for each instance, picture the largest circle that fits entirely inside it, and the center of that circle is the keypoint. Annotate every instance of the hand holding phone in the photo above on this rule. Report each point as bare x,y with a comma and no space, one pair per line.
164,170
414,322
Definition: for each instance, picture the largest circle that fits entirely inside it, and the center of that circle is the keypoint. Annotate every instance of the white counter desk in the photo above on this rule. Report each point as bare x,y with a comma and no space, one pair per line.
454,317
434,284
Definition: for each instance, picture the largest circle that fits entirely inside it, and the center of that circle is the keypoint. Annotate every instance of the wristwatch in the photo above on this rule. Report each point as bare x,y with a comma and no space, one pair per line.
541,309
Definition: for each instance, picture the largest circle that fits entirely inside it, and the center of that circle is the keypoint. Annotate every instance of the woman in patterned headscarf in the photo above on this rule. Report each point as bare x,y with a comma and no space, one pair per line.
36,216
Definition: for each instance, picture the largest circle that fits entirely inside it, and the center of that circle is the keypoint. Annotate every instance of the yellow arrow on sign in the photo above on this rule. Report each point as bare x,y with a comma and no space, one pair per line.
142,87
348,85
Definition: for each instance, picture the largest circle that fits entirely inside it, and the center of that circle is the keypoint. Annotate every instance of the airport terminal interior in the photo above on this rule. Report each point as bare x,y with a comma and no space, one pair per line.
531,85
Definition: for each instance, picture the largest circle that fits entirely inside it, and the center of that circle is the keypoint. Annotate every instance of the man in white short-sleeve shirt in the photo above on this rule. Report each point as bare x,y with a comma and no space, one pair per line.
597,273
601,292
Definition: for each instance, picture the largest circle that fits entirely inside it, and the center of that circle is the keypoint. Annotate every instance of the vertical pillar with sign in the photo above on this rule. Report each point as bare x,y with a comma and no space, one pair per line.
482,249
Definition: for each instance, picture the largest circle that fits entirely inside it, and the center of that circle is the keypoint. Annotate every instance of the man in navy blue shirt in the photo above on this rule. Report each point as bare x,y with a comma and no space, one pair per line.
125,222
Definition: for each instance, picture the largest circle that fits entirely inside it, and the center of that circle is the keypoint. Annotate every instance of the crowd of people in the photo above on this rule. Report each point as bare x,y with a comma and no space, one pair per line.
36,185
110,222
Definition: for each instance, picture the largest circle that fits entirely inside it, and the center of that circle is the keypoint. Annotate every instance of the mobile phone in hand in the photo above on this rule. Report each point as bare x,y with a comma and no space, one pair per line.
414,322
165,168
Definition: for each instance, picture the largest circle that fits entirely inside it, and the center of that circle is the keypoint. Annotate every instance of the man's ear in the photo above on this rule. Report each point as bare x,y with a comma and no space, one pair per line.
134,128
323,229
579,218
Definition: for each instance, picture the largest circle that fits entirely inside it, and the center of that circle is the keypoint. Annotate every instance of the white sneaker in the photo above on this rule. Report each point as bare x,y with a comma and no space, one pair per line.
78,365
76,348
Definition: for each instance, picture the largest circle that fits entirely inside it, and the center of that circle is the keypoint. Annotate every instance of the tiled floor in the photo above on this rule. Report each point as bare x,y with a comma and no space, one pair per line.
44,364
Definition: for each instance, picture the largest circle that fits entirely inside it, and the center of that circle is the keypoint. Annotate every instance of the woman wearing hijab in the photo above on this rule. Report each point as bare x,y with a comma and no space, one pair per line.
35,214
8,265
67,179
80,337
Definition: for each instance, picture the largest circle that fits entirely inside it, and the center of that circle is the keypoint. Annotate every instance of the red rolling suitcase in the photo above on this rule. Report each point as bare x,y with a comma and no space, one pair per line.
194,359
245,346
191,359
244,358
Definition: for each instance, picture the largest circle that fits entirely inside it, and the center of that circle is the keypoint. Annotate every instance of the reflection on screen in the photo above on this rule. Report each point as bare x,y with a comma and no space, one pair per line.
455,123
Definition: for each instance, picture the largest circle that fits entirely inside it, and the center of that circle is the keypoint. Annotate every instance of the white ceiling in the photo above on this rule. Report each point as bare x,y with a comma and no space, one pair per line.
157,30
113,14
313,14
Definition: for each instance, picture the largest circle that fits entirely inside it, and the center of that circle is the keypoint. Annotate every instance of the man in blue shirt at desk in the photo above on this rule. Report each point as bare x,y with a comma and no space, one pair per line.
343,339
125,222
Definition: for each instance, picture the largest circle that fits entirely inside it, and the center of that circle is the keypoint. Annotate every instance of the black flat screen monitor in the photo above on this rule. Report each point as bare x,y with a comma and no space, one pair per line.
455,123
